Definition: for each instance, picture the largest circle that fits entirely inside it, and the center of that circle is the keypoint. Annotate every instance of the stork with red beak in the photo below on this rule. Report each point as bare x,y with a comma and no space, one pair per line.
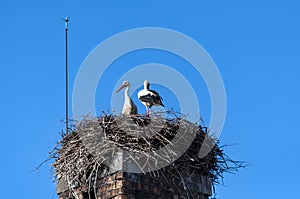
149,97
129,107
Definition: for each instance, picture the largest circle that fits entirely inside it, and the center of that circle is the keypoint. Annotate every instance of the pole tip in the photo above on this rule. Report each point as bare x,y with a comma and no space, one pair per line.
67,19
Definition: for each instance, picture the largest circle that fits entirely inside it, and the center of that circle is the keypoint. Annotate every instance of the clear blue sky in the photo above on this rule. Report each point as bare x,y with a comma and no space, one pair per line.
255,45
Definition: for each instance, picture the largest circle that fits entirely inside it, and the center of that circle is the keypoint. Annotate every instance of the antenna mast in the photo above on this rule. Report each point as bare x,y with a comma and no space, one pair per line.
67,76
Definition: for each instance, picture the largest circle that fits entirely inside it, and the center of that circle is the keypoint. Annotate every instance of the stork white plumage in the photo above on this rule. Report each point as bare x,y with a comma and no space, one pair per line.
129,107
149,97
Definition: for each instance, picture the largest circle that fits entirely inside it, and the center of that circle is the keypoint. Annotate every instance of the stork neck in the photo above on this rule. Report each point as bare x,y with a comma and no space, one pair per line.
126,92
146,86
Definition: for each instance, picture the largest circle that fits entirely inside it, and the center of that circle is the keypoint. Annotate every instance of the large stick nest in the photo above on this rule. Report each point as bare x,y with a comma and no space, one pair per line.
82,155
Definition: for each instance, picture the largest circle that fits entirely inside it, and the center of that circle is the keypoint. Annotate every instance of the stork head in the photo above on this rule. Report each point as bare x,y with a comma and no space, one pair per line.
146,84
125,84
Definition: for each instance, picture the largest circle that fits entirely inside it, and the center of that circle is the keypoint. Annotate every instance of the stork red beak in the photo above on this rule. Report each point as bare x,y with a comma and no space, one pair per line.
121,87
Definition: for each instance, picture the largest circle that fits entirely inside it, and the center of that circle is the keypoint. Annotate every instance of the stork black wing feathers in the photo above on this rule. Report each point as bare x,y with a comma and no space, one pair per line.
152,99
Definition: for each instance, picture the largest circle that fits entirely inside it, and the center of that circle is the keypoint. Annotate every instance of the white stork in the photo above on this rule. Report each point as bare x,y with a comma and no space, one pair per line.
149,97
129,107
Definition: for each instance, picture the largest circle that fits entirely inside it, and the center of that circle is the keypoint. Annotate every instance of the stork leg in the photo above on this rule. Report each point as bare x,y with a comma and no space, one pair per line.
147,111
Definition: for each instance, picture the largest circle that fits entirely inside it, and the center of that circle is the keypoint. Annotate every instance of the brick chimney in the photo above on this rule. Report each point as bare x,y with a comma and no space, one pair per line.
123,185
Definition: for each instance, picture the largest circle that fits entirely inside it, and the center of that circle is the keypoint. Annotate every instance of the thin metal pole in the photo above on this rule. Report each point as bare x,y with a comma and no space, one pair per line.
67,76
